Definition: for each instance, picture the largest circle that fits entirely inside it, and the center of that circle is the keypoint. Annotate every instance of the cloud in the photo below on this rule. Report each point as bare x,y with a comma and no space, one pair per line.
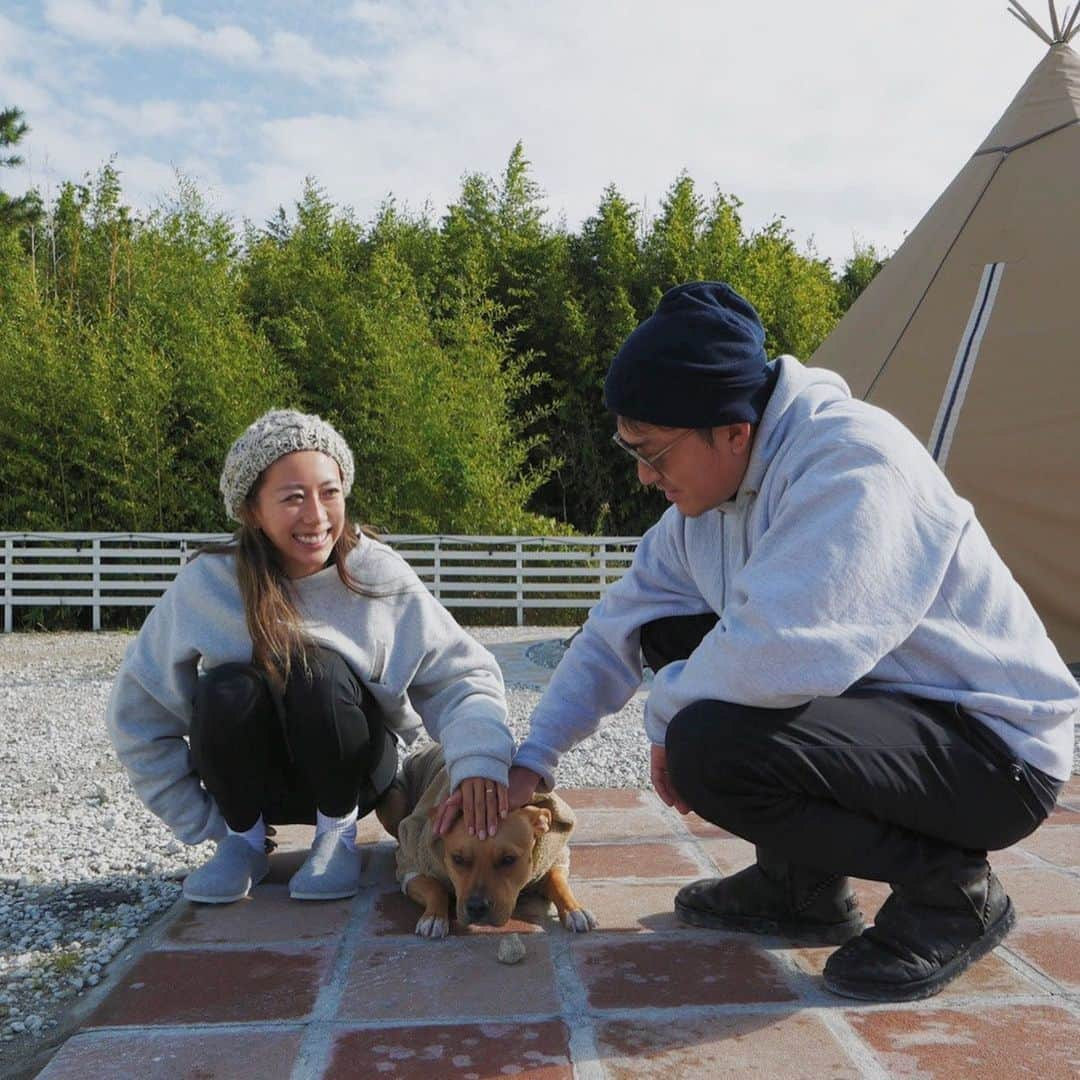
147,26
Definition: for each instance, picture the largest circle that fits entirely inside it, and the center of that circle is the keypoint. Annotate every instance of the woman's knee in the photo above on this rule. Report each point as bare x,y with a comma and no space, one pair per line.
228,696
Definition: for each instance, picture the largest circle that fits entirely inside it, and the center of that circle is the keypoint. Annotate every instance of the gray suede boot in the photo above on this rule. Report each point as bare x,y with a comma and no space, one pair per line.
233,870
774,897
330,872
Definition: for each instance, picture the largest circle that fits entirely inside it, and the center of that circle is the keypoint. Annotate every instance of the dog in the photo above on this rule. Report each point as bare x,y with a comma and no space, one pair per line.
528,853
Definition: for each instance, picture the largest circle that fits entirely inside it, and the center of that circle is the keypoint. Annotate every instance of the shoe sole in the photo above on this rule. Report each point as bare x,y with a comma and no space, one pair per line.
322,895
801,933
932,984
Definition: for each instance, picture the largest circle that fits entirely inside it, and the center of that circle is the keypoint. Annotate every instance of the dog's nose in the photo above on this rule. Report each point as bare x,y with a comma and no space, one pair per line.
476,907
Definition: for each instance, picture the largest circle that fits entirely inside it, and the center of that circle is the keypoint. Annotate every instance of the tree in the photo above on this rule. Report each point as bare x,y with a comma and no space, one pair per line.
25,210
861,268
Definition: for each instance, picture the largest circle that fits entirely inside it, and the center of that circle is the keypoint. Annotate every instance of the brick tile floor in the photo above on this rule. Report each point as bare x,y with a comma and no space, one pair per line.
271,988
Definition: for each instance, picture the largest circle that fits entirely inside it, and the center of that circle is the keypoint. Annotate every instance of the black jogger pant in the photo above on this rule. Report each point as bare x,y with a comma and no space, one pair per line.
881,786
321,744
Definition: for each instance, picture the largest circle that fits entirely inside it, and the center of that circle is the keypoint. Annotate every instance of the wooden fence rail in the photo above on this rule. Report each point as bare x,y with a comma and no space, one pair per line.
108,570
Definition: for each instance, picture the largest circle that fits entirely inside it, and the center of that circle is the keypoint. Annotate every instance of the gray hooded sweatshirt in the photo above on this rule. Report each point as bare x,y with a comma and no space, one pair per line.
401,643
844,558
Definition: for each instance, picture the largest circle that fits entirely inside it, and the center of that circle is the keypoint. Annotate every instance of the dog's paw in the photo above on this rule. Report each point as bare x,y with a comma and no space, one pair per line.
580,921
433,926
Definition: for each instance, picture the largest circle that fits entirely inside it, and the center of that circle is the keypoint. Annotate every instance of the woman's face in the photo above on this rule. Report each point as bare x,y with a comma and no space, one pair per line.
300,507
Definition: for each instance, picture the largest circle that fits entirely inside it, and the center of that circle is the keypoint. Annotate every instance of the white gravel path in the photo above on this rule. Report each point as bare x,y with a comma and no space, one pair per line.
84,867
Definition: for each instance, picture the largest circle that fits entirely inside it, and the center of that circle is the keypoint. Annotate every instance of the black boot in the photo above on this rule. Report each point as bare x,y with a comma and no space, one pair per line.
774,897
924,936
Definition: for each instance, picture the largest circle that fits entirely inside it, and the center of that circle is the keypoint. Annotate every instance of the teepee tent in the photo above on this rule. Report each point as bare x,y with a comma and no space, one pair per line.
970,334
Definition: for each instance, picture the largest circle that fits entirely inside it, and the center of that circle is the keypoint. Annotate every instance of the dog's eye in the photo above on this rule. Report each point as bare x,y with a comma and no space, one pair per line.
458,859
508,860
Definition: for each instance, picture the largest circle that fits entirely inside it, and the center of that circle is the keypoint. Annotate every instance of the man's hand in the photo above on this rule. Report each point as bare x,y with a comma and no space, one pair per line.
661,781
523,784
482,802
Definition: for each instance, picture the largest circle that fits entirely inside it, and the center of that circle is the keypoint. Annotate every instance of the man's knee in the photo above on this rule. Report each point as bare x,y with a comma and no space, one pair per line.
711,749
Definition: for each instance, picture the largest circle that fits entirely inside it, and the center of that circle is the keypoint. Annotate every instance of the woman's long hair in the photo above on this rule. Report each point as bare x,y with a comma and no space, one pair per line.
273,621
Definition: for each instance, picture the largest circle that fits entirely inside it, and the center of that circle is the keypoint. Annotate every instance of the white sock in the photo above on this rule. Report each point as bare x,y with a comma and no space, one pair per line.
345,827
255,836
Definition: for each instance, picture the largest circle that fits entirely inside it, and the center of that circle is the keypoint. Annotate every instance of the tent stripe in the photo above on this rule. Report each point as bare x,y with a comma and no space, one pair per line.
964,363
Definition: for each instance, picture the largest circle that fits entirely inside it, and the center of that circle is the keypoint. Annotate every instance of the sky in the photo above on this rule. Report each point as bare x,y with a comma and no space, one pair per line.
846,118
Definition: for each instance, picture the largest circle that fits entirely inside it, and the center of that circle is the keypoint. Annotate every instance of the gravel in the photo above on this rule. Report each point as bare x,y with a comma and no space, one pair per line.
85,868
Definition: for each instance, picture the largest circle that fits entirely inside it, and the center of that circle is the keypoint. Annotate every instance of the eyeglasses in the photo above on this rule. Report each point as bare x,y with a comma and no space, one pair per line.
649,462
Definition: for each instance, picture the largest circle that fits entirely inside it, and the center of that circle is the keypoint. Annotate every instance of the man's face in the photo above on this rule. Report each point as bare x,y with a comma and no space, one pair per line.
694,474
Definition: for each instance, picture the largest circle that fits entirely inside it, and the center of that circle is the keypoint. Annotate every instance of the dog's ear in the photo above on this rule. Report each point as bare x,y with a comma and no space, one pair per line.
539,817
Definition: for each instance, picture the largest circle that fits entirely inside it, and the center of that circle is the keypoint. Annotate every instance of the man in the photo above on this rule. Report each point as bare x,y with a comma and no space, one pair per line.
847,675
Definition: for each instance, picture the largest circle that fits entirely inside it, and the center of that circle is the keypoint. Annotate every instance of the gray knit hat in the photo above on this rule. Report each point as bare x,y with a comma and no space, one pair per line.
272,436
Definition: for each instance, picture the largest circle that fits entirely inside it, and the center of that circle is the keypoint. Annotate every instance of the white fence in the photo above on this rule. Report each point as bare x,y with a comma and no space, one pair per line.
108,570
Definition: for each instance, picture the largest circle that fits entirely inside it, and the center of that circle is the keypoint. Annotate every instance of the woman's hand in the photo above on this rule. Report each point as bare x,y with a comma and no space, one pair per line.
483,803
661,780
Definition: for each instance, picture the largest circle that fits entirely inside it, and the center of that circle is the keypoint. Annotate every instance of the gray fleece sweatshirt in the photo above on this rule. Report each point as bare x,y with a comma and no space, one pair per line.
845,557
419,665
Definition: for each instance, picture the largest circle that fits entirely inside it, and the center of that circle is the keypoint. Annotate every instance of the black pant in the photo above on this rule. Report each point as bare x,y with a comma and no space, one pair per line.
882,786
321,744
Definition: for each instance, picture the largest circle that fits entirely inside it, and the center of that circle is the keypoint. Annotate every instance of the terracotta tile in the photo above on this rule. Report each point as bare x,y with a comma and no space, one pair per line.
796,1046
644,860
729,855
158,1055
659,972
1012,858
1058,845
267,915
1037,891
1063,814
393,913
539,1051
456,978
991,1044
991,975
622,907
607,798
871,894
193,986
700,827
370,831
1053,948
380,869
621,825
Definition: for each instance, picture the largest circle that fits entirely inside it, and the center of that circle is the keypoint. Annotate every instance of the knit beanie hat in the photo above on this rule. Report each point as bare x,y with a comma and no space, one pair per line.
698,361
272,436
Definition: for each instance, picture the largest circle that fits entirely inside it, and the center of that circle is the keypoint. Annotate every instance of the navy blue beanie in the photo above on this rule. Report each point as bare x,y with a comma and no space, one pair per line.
698,361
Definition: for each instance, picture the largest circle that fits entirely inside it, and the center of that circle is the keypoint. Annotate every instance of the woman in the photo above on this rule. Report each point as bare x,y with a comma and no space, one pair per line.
276,676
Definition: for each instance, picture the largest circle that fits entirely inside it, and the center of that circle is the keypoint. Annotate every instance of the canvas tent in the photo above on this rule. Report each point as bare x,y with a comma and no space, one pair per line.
970,334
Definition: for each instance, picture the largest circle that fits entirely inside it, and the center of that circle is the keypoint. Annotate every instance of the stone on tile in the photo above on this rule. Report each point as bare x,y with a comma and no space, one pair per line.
196,986
266,915
699,969
166,1055
1052,946
643,860
988,1043
795,1046
454,978
539,1051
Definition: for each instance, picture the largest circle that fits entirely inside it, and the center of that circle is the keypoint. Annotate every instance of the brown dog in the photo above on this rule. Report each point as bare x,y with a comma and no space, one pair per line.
528,853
